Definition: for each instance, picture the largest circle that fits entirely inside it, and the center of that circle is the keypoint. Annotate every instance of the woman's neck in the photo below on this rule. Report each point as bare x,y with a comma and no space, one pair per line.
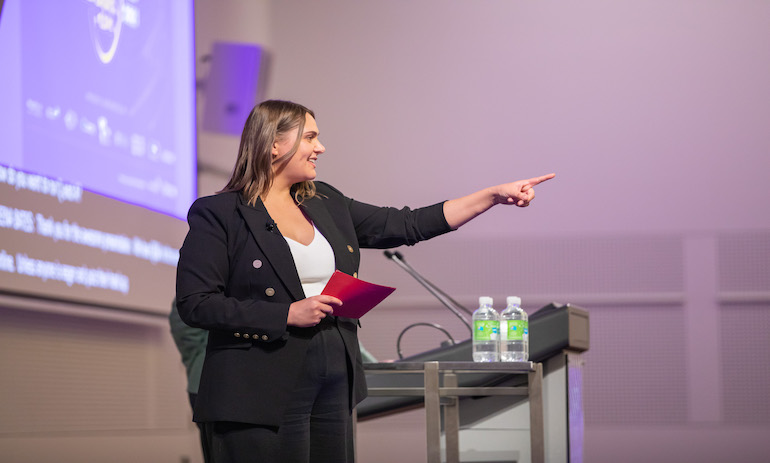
279,195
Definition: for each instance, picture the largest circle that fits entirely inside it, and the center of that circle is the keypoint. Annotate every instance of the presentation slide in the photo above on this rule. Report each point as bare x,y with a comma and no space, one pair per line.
97,157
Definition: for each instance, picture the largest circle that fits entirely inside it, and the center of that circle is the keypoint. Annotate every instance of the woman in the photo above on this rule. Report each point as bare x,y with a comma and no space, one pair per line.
282,373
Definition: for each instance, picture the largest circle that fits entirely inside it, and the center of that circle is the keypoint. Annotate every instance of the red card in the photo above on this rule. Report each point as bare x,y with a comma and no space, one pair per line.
357,296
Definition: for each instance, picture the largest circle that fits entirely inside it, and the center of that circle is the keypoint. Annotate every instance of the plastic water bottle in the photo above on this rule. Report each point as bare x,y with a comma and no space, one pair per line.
514,332
486,326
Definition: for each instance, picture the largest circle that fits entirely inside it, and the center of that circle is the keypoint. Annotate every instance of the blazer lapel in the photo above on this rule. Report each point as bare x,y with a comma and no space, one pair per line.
273,246
325,223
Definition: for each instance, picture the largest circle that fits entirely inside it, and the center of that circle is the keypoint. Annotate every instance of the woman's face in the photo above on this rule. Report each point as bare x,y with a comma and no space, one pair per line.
301,166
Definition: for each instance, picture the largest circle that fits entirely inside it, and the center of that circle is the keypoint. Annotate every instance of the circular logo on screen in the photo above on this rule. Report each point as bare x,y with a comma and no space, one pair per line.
106,18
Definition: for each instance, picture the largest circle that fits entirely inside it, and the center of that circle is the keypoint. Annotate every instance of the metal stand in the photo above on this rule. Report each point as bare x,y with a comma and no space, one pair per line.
436,396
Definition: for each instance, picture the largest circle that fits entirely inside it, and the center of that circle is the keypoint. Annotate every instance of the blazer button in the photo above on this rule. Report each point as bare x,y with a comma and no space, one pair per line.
270,292
257,263
246,335
264,337
237,335
350,248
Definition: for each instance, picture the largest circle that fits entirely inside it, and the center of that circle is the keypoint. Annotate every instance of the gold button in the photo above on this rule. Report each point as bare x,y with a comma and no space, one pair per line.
270,291
355,274
264,337
350,248
237,335
246,335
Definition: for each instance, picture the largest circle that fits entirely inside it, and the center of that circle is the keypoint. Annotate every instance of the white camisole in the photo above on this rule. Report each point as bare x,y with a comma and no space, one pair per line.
315,262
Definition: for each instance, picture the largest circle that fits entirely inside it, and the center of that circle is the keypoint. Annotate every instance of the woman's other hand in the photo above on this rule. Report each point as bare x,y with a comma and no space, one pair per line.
519,193
309,312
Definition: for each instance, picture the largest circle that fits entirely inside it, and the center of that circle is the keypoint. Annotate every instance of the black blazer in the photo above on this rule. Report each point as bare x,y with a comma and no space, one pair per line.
236,278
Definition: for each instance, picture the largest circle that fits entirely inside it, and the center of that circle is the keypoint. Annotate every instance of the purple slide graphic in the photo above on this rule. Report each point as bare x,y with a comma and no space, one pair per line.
103,95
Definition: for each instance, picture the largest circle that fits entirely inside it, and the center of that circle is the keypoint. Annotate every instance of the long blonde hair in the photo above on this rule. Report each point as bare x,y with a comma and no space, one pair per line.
253,171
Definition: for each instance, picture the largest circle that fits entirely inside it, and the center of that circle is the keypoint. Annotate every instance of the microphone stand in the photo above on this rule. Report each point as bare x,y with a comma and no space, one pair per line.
444,298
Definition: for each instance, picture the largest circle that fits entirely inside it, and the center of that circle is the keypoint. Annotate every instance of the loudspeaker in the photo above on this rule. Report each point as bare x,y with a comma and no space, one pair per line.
232,87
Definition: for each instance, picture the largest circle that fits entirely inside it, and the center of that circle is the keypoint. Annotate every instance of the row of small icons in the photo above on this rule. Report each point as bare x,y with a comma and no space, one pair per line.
137,144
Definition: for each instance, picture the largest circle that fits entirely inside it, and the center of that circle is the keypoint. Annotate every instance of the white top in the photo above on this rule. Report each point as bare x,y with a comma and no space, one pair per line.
315,262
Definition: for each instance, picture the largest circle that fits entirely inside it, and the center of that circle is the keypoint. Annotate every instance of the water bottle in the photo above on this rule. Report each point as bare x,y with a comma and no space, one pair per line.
514,332
486,326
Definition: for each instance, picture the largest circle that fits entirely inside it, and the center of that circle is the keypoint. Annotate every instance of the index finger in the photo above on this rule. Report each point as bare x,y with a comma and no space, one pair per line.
535,180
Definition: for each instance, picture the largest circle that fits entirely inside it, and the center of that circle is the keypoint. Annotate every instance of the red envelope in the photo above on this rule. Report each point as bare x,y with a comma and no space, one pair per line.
357,296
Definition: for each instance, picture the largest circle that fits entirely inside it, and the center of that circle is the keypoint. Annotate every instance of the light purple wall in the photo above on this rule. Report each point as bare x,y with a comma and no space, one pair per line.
654,114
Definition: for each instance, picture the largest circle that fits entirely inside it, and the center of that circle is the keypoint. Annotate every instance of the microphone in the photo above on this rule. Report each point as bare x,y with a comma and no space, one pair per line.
270,226
443,297
397,254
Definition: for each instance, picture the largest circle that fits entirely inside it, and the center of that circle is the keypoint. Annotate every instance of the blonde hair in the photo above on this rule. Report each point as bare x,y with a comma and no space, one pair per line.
253,171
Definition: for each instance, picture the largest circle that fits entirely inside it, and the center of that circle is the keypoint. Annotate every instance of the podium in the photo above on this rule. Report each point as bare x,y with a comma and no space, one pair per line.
559,333
441,388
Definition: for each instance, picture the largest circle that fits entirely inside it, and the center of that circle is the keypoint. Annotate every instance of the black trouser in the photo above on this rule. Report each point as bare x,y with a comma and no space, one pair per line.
204,444
317,426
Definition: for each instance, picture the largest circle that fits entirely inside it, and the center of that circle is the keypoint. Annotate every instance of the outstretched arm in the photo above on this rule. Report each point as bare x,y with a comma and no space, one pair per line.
462,210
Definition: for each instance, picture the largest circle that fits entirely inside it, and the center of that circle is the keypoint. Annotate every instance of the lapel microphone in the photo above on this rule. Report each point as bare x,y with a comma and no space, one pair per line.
270,226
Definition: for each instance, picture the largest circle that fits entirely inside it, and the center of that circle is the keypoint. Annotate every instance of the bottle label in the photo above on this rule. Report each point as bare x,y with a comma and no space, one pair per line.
517,330
485,330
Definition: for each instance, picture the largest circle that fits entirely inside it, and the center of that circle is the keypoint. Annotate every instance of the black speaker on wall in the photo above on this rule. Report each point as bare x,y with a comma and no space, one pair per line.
232,87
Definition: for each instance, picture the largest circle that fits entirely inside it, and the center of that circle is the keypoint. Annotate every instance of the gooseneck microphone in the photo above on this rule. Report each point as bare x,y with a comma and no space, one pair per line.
443,297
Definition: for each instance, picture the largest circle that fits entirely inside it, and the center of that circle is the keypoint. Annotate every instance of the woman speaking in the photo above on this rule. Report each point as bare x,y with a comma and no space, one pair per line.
282,373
